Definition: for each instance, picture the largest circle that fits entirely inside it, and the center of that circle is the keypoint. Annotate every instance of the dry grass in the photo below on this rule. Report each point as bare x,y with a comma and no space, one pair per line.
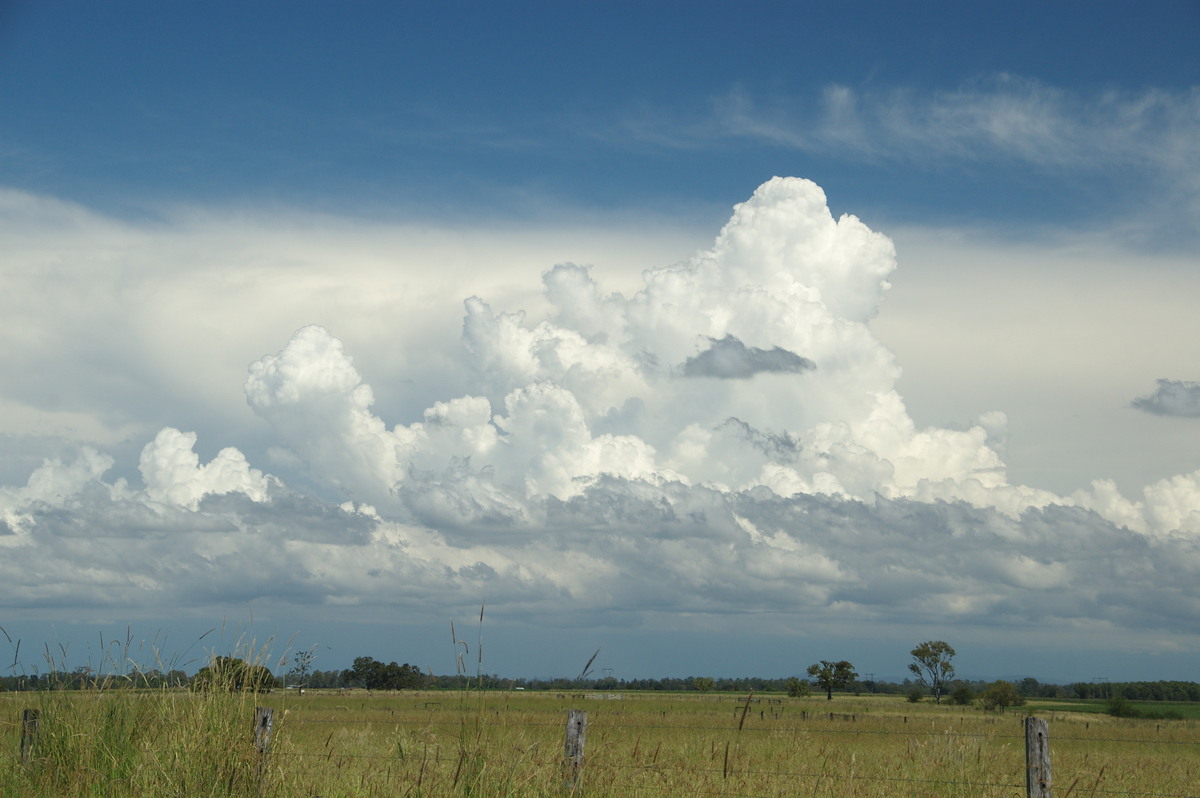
160,743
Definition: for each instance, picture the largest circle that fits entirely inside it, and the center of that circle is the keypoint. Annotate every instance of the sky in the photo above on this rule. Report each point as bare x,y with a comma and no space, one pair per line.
722,338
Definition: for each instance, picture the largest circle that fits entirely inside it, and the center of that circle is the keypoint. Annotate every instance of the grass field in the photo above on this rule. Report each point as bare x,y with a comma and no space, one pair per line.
1150,709
176,743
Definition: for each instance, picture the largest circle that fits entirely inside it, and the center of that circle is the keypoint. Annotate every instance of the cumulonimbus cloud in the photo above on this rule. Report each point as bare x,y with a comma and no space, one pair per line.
587,472
590,392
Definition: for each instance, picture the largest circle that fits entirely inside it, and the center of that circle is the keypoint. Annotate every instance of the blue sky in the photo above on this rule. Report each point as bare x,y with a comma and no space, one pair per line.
470,107
245,378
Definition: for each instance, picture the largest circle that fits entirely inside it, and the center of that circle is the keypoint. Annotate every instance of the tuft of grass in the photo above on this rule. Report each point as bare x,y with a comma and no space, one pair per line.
104,731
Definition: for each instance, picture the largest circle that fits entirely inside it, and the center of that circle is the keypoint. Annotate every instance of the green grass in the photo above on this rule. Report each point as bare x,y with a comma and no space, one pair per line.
176,743
1151,710
120,742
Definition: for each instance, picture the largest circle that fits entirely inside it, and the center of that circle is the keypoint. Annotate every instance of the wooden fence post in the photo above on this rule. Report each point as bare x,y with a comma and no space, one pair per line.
573,750
1037,758
264,718
29,725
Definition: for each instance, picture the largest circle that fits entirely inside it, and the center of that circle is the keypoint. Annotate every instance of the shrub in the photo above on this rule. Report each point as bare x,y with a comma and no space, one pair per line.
798,688
1000,695
962,695
232,674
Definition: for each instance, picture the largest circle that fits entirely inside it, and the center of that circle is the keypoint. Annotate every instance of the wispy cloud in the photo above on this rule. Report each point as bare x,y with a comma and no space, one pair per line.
1006,117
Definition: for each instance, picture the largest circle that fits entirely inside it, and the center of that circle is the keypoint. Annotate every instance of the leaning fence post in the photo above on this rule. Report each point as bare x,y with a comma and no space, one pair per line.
29,725
1037,758
263,720
573,751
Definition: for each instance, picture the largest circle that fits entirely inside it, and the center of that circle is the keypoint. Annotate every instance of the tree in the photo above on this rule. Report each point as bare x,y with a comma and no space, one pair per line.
830,676
999,695
797,688
374,675
1029,687
704,684
302,666
233,675
963,695
931,664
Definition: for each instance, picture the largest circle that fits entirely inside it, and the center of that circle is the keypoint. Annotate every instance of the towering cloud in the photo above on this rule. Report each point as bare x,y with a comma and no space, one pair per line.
778,310
802,398
728,439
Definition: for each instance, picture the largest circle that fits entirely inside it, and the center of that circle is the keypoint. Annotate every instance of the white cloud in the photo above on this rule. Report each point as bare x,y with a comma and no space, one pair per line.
783,274
163,315
172,472
563,463
51,485
1057,332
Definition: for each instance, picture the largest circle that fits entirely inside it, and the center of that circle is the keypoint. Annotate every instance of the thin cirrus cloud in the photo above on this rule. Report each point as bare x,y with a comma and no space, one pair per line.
585,478
1006,116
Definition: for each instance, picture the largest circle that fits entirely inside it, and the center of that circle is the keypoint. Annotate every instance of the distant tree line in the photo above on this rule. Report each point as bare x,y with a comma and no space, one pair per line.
1138,691
372,674
827,676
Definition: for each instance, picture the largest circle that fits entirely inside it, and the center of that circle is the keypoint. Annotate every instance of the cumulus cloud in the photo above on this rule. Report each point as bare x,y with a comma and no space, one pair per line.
592,392
173,474
589,470
1172,398
783,277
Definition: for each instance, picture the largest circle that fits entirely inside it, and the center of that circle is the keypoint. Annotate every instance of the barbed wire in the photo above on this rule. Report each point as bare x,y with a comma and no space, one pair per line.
297,718
1141,794
592,726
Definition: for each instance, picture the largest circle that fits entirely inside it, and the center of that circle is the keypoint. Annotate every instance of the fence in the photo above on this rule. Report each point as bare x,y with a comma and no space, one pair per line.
581,761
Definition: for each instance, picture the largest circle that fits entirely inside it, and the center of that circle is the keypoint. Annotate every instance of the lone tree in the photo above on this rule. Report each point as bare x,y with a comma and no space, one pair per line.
830,676
303,666
931,664
231,674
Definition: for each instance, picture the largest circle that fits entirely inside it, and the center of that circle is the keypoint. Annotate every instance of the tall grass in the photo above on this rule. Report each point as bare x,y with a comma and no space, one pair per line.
349,744
113,741
113,735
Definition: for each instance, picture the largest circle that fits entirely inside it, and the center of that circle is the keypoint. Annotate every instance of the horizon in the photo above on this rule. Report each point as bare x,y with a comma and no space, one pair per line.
726,341
161,651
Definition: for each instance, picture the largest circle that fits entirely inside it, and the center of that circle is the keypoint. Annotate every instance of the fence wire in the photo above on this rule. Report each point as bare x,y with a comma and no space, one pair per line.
948,733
